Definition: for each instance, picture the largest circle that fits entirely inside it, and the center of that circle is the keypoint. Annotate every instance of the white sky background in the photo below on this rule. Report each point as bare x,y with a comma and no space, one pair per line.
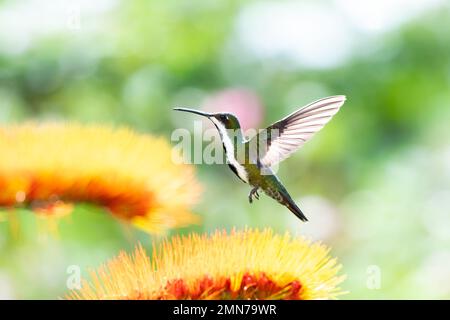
24,22
318,34
314,34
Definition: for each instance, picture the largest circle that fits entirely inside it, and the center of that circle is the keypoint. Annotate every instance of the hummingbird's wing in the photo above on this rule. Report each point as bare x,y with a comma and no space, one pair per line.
281,139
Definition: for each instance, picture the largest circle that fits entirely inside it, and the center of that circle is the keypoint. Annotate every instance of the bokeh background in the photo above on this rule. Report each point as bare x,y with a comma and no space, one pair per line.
375,183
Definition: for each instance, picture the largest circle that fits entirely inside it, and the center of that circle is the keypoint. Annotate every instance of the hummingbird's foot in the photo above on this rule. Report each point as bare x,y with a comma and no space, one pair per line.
253,193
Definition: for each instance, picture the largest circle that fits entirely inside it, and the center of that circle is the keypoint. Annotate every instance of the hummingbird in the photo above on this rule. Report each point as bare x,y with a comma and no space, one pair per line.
252,159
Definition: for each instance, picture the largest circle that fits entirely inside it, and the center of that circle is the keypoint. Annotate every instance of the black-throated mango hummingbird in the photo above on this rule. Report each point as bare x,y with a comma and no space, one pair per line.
251,159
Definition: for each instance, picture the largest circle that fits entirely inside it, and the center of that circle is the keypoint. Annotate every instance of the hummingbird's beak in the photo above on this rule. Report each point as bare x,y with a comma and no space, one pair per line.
205,114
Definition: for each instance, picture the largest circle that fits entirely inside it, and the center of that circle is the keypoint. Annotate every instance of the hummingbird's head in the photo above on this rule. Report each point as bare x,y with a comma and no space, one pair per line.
227,120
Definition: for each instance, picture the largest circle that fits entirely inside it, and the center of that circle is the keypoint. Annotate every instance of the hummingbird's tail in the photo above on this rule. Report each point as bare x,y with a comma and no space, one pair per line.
290,204
280,194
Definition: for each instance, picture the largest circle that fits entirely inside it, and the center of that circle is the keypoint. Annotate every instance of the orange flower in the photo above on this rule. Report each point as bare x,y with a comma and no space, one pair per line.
248,264
49,167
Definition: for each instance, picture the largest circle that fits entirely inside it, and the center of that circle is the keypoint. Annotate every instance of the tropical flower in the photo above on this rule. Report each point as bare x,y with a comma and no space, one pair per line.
248,264
243,103
49,167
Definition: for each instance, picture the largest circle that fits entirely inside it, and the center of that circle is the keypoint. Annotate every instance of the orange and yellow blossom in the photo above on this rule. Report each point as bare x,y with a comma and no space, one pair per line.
49,167
248,264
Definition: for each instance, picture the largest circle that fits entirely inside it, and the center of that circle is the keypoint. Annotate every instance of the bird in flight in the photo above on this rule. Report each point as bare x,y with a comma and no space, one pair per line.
252,159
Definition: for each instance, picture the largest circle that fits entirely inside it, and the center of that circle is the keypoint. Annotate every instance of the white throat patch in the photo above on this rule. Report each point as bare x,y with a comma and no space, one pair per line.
229,148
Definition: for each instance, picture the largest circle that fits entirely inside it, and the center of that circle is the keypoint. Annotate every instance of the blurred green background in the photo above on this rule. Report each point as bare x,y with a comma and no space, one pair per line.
375,183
